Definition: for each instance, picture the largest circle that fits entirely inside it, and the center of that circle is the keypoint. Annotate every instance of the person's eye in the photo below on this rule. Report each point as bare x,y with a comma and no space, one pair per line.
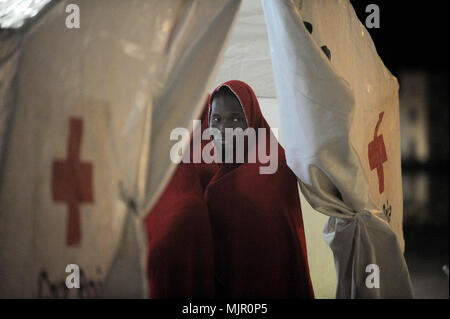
216,119
236,119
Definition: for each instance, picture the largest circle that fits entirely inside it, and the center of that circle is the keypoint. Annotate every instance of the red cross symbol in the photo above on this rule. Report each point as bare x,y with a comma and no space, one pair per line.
377,154
72,181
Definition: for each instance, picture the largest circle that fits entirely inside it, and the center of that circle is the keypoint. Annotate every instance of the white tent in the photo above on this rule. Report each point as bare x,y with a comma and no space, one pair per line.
104,98
86,149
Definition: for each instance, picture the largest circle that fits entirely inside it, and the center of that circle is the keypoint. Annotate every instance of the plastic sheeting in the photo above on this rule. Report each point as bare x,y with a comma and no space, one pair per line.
88,144
247,55
339,114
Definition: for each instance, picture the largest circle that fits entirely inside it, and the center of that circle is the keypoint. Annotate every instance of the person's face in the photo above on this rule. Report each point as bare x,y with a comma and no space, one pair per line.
226,112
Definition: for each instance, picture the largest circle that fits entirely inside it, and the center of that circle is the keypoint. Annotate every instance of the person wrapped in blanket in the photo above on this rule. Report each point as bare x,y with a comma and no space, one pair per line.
224,229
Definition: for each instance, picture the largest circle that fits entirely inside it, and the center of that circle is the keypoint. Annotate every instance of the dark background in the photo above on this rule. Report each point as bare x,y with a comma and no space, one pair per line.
412,34
413,39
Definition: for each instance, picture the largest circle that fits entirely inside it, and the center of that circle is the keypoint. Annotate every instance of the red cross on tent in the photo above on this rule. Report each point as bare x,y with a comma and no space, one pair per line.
377,154
72,181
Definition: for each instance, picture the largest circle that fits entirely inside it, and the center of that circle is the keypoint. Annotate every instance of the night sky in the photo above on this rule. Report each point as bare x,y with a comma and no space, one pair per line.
410,35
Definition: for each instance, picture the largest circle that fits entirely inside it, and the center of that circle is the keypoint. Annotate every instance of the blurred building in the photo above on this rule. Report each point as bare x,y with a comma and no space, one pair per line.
424,139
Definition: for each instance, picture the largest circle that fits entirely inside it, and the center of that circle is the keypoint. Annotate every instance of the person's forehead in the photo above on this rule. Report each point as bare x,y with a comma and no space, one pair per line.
228,103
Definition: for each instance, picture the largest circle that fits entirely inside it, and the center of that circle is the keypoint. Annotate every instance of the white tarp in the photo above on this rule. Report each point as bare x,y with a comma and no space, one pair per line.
88,143
339,114
247,55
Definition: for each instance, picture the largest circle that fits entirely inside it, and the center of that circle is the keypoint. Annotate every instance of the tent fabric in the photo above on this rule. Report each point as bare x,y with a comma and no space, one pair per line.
247,55
16,13
339,113
88,144
9,57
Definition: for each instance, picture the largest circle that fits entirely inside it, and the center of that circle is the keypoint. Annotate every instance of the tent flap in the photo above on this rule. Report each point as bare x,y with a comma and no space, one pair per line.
339,114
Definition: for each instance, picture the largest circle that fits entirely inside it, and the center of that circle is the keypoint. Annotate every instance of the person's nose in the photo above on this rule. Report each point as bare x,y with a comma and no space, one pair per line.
222,127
